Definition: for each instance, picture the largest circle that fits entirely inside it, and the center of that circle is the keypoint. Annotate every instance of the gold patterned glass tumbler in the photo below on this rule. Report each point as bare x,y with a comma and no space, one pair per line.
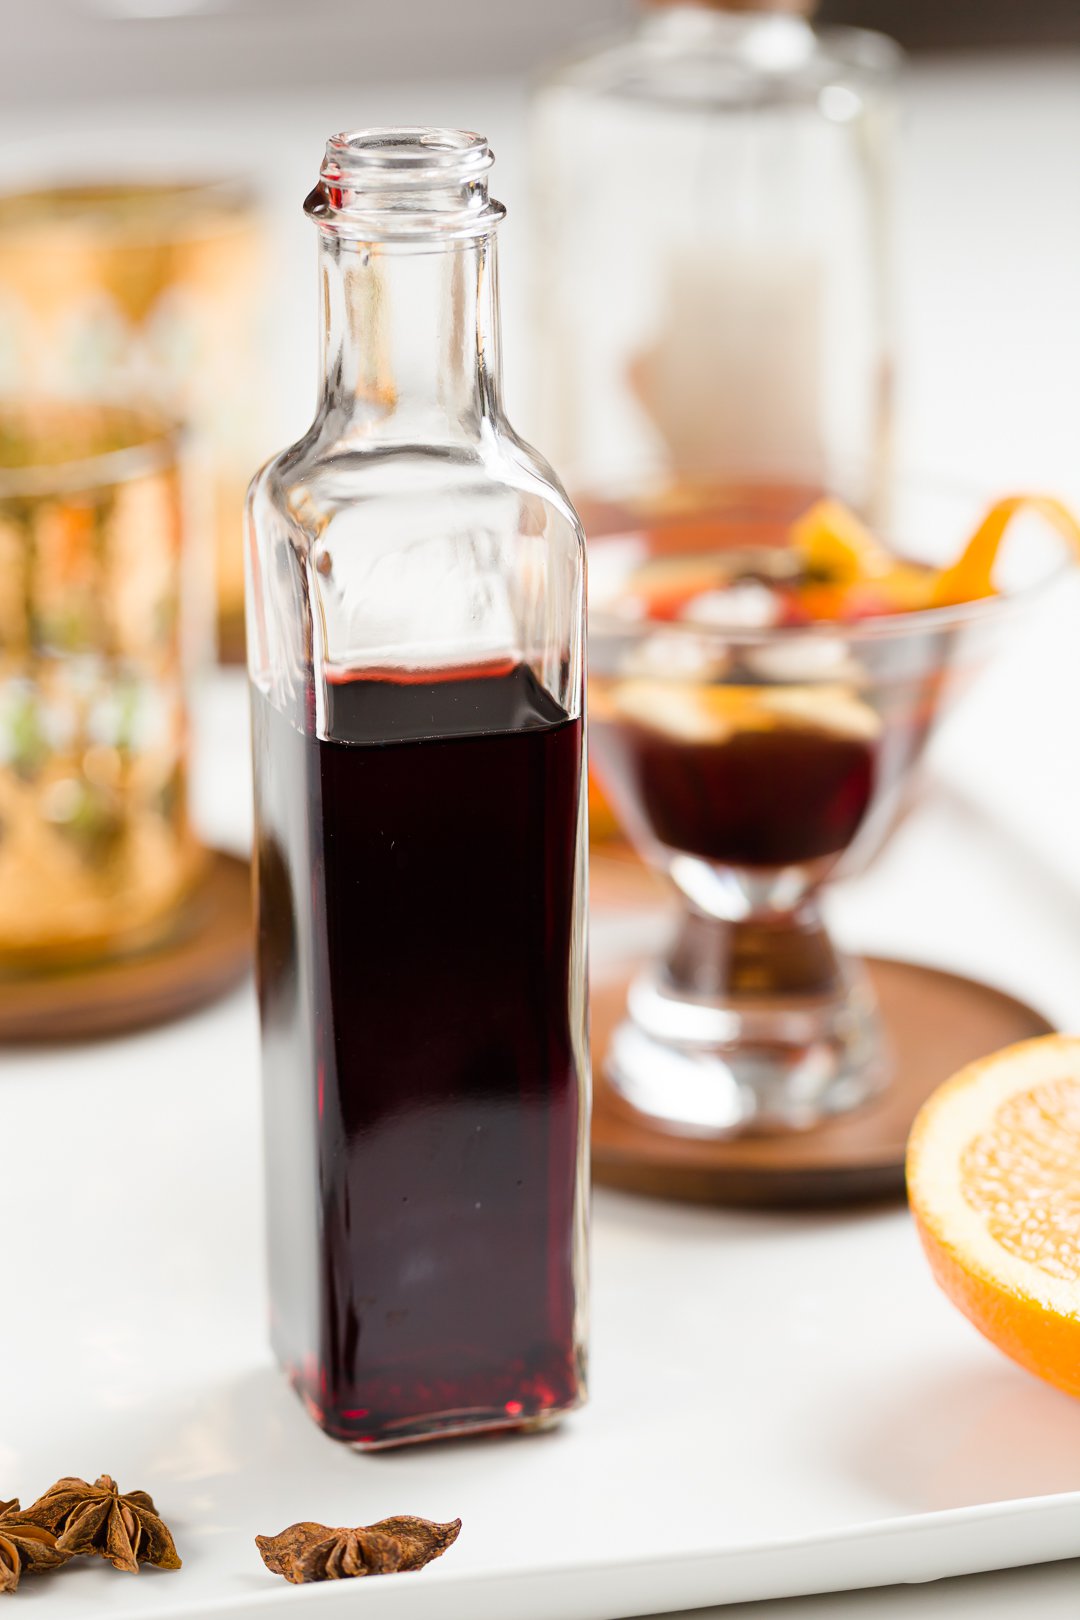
96,848
147,292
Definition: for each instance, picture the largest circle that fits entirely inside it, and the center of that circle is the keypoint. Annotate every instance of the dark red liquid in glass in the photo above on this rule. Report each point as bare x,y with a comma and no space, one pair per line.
758,799
422,1053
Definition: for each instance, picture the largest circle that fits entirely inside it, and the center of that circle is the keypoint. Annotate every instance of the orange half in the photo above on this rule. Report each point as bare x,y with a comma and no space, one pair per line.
993,1169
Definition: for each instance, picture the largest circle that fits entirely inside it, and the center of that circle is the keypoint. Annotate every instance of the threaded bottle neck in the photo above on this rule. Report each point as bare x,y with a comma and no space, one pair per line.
408,185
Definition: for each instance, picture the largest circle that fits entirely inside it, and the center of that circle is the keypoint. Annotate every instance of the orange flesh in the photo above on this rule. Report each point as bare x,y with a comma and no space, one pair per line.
1023,1176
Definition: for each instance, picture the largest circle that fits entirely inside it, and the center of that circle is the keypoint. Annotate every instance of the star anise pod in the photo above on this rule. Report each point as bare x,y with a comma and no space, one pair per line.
312,1552
97,1520
24,1546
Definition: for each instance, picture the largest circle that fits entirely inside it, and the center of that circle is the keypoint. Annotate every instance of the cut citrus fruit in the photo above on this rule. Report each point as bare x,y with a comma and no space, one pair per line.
993,1169
692,712
837,545
860,578
828,567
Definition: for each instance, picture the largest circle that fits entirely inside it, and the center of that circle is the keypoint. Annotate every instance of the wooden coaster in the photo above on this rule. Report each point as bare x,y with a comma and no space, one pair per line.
206,953
936,1022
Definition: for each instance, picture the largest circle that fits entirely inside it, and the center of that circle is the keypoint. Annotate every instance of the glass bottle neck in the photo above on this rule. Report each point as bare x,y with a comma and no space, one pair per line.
410,338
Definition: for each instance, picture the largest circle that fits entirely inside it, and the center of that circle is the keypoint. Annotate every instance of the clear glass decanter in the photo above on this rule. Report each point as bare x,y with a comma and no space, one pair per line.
712,304
416,647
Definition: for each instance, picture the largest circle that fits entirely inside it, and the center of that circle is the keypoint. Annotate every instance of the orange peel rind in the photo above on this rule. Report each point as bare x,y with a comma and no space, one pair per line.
971,577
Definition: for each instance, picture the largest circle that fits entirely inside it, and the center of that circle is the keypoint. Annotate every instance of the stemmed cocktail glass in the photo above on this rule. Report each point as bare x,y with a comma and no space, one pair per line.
754,762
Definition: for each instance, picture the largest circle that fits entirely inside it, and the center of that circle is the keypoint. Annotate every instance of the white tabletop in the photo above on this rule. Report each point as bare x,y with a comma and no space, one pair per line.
1046,1593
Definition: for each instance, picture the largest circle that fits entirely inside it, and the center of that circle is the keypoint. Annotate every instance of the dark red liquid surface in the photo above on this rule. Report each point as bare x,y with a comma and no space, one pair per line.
757,799
422,1053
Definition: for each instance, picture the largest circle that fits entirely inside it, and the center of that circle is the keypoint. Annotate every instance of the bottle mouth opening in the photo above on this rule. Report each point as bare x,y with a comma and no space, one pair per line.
389,184
410,156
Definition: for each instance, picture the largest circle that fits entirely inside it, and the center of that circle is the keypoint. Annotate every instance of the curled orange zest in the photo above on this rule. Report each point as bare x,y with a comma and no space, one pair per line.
971,577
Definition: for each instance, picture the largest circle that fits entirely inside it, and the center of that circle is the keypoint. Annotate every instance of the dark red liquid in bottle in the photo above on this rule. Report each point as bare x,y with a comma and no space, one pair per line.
422,1053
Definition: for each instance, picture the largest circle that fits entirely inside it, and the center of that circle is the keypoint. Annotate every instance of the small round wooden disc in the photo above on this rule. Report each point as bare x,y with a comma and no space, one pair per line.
936,1023
206,953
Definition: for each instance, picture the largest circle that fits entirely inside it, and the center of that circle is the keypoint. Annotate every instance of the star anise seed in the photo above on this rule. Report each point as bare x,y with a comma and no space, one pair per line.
24,1546
96,1520
313,1552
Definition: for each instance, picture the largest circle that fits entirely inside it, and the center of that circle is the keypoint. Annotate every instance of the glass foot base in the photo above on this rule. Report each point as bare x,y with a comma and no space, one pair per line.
750,1064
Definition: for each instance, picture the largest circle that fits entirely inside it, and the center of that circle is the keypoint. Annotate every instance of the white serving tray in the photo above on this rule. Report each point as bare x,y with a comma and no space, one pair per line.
781,1404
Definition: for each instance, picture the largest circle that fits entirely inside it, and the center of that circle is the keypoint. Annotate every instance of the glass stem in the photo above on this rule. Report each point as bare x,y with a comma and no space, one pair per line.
776,955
